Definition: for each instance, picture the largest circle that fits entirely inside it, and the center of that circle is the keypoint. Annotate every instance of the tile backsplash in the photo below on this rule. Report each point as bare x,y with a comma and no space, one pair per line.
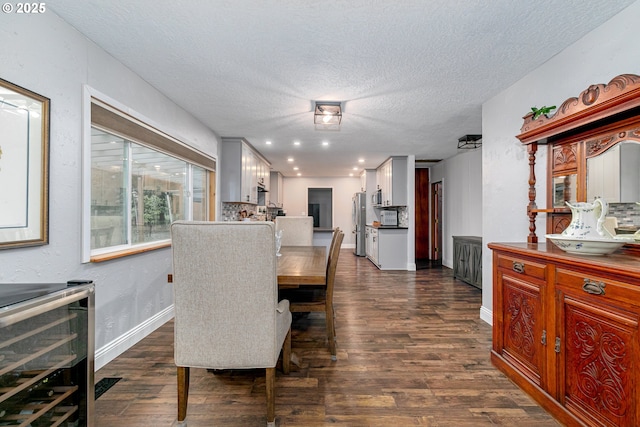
627,213
403,217
231,211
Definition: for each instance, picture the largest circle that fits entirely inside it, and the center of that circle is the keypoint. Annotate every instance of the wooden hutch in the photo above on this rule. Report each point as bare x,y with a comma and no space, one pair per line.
566,328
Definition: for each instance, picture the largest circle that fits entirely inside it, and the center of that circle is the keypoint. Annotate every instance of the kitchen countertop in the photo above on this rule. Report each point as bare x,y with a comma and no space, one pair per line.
388,227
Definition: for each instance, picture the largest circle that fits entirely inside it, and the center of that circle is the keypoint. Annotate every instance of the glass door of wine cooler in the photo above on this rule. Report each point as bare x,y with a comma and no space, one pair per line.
47,354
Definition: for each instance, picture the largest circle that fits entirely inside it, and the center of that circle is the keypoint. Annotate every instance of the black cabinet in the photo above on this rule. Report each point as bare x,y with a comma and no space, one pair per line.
467,259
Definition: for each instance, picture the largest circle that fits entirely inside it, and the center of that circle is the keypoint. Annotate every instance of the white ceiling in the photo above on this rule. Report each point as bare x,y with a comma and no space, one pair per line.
412,74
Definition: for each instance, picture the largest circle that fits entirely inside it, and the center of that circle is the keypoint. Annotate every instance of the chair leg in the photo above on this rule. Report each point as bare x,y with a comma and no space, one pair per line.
183,393
271,396
331,331
286,353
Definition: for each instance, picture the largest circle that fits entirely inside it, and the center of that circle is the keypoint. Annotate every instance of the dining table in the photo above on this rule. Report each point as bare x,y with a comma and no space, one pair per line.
300,266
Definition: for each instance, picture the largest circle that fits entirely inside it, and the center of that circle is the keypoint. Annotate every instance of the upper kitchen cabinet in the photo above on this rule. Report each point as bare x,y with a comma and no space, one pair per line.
275,192
244,172
391,179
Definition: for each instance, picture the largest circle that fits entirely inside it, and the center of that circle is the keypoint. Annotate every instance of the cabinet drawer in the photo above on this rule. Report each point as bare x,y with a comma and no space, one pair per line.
609,289
523,266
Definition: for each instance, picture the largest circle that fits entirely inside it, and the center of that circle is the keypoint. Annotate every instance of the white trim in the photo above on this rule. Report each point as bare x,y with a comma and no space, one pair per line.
110,351
486,315
411,266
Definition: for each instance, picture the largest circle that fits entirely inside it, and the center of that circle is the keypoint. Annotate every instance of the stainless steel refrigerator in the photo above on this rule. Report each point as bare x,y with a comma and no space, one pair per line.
359,219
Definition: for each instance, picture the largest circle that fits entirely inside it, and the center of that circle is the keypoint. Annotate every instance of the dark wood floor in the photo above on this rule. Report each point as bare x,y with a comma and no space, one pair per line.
411,351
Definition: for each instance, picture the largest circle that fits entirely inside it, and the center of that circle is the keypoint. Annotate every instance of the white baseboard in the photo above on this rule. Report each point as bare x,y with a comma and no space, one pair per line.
110,351
411,266
486,315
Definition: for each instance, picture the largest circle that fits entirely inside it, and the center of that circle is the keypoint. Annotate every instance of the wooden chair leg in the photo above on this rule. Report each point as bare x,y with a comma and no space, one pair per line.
183,392
286,353
271,396
331,332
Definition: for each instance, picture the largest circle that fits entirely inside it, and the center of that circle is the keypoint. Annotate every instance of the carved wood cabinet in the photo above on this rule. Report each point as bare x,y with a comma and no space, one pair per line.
566,327
566,330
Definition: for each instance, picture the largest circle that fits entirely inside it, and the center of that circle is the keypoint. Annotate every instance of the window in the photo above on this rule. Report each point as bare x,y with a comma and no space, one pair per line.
141,181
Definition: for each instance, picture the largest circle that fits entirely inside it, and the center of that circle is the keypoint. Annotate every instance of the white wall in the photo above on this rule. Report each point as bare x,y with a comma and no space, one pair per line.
44,54
295,200
604,53
461,178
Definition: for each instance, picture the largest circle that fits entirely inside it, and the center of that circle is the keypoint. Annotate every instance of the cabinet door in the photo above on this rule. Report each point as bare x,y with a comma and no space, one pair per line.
476,265
367,241
462,261
374,245
524,332
520,326
598,351
246,174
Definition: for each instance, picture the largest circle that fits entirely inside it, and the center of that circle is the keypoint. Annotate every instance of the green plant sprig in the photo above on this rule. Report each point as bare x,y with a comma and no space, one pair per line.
537,112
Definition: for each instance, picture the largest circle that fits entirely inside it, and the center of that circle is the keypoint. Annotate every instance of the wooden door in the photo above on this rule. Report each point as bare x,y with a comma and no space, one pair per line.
422,213
436,221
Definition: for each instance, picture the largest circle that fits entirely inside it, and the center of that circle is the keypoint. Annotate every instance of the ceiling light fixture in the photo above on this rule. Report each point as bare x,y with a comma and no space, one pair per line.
327,113
470,141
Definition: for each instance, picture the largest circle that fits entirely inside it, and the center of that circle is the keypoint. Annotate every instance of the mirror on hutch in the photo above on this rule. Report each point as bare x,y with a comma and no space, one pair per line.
593,145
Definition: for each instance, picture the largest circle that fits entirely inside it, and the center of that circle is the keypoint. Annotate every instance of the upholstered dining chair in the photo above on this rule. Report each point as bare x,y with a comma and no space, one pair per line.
297,230
320,299
227,314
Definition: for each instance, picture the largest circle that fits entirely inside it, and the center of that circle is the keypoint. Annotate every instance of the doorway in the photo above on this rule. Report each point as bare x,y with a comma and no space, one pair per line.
436,222
422,216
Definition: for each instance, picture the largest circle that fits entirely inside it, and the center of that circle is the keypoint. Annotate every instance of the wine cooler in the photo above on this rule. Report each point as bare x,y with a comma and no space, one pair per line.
47,354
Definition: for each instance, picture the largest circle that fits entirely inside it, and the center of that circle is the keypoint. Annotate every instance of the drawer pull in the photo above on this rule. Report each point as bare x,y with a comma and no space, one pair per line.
593,287
518,267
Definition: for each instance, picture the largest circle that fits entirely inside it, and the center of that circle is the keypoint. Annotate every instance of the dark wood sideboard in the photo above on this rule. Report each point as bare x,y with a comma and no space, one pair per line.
566,330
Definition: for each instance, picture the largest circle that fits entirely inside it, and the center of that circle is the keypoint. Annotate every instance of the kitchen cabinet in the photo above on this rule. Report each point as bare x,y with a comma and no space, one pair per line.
371,244
387,247
275,189
47,354
243,171
467,259
391,179
566,330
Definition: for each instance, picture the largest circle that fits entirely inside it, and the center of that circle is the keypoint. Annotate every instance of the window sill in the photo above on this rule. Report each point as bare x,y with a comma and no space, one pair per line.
129,251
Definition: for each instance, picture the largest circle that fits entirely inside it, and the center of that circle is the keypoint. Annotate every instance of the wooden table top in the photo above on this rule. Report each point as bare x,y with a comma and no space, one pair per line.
302,265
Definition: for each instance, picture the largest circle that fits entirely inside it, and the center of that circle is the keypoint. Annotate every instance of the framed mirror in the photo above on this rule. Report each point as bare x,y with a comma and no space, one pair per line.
24,167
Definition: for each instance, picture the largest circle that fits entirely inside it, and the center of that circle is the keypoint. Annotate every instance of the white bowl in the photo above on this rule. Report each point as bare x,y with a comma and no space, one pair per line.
591,246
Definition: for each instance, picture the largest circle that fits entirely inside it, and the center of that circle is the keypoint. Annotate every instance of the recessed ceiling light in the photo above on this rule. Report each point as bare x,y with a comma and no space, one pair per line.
268,142
350,174
296,143
355,168
299,174
360,160
290,159
325,143
295,168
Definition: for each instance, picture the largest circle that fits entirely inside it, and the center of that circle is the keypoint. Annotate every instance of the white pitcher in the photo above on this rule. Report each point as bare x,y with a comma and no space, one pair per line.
587,220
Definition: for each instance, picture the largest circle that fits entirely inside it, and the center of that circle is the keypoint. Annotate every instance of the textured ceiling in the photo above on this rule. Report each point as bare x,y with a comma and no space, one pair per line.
412,74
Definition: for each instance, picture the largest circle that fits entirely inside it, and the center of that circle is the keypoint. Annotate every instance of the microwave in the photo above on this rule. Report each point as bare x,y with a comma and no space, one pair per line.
389,218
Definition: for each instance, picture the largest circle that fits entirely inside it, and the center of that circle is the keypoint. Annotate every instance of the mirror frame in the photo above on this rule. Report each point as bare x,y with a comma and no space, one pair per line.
584,126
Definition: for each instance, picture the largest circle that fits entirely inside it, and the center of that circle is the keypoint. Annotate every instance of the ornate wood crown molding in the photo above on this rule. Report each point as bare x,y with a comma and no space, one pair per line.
597,102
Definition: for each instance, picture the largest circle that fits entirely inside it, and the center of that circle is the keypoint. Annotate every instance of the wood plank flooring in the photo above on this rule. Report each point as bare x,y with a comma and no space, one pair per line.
411,351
